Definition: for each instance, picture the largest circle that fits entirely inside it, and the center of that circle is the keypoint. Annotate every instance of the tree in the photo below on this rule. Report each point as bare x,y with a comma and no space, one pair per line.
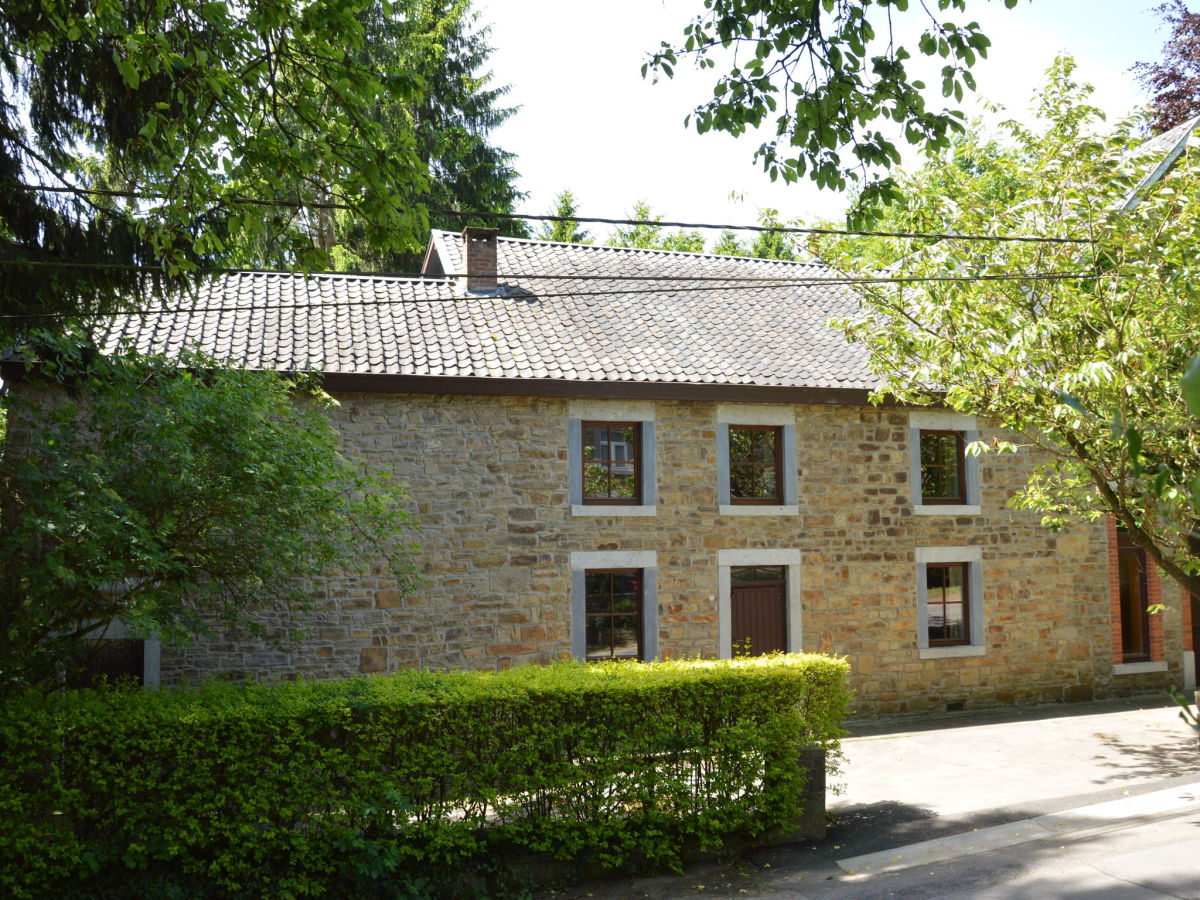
1078,348
651,237
173,498
825,72
449,122
727,244
771,244
565,232
1174,83
976,163
188,104
765,245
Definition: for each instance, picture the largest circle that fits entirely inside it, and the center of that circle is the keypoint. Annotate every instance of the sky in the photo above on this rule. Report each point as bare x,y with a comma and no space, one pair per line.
590,123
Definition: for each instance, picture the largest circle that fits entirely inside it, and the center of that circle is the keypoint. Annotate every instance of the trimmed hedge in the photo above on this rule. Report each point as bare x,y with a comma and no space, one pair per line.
417,784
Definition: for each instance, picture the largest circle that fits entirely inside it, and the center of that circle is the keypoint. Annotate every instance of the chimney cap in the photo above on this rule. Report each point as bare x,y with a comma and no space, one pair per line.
480,233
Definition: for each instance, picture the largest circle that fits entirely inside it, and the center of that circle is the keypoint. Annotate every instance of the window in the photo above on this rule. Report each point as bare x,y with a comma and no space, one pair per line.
610,453
944,477
757,474
614,605
611,469
755,464
942,471
613,614
947,604
950,620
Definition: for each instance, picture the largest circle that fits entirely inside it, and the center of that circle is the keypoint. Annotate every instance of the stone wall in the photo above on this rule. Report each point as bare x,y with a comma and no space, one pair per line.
489,483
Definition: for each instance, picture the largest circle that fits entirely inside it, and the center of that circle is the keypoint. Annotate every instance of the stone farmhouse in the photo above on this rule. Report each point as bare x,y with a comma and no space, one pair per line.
643,454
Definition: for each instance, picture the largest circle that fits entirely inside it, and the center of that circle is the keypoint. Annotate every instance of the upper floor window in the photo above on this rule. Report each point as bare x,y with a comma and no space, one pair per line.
612,462
943,475
757,473
755,464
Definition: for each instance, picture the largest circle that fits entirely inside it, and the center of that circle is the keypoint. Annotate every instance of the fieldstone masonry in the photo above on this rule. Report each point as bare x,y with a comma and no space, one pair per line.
488,478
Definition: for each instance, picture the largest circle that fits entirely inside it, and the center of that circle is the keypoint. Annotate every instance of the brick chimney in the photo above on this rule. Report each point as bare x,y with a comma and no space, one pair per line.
479,253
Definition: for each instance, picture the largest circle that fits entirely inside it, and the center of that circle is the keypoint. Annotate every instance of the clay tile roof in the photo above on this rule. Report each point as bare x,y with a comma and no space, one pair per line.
620,315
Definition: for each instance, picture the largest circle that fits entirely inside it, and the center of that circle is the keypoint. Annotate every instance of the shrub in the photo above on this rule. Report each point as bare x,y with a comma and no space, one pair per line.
403,785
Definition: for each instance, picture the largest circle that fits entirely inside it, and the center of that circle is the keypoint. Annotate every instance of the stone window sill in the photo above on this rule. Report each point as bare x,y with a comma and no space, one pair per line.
738,509
951,652
955,509
580,509
1139,668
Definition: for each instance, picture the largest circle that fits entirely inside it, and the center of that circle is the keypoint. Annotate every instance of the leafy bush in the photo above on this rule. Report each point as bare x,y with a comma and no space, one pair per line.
408,785
173,494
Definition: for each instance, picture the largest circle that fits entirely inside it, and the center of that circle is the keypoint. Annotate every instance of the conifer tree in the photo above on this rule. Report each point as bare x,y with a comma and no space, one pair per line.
567,232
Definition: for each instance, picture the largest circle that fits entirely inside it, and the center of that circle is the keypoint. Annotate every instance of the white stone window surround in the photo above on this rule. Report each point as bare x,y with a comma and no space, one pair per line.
728,414
1140,668
729,559
942,420
580,411
647,561
973,556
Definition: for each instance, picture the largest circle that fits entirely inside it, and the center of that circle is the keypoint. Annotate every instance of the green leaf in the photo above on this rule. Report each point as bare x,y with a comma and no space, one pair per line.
1190,386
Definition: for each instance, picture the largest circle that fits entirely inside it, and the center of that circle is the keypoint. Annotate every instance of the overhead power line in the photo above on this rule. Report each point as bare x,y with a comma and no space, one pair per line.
586,220
774,229
811,282
532,276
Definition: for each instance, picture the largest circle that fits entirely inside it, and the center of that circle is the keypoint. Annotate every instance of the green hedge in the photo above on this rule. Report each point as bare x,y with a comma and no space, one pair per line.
415,784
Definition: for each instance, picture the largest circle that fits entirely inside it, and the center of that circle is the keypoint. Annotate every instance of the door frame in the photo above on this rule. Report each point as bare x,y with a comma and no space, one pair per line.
731,558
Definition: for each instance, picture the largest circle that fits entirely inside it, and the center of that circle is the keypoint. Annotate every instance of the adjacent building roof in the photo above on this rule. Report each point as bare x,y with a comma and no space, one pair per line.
559,313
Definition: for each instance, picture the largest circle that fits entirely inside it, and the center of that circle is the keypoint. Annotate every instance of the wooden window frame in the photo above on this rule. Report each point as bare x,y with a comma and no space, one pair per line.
777,463
781,581
965,640
641,618
960,466
584,462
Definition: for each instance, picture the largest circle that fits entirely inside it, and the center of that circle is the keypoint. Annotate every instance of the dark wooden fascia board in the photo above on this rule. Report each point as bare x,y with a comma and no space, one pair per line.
608,390
372,383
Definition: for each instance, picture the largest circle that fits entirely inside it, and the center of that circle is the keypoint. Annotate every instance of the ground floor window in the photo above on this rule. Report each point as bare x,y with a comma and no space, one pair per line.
613,613
614,604
947,604
950,608
111,661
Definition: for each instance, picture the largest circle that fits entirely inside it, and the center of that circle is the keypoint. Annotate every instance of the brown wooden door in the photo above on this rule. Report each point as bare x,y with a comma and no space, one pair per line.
1135,621
758,610
1195,601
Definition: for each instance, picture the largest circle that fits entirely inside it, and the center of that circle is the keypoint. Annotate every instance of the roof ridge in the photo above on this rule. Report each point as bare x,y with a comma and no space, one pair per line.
362,276
655,250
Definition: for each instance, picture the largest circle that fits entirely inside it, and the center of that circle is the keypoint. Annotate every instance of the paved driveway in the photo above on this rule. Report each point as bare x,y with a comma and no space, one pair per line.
993,805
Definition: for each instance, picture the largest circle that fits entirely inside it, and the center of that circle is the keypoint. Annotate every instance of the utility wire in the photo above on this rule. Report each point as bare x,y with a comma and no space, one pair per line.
774,229
253,308
587,220
717,280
